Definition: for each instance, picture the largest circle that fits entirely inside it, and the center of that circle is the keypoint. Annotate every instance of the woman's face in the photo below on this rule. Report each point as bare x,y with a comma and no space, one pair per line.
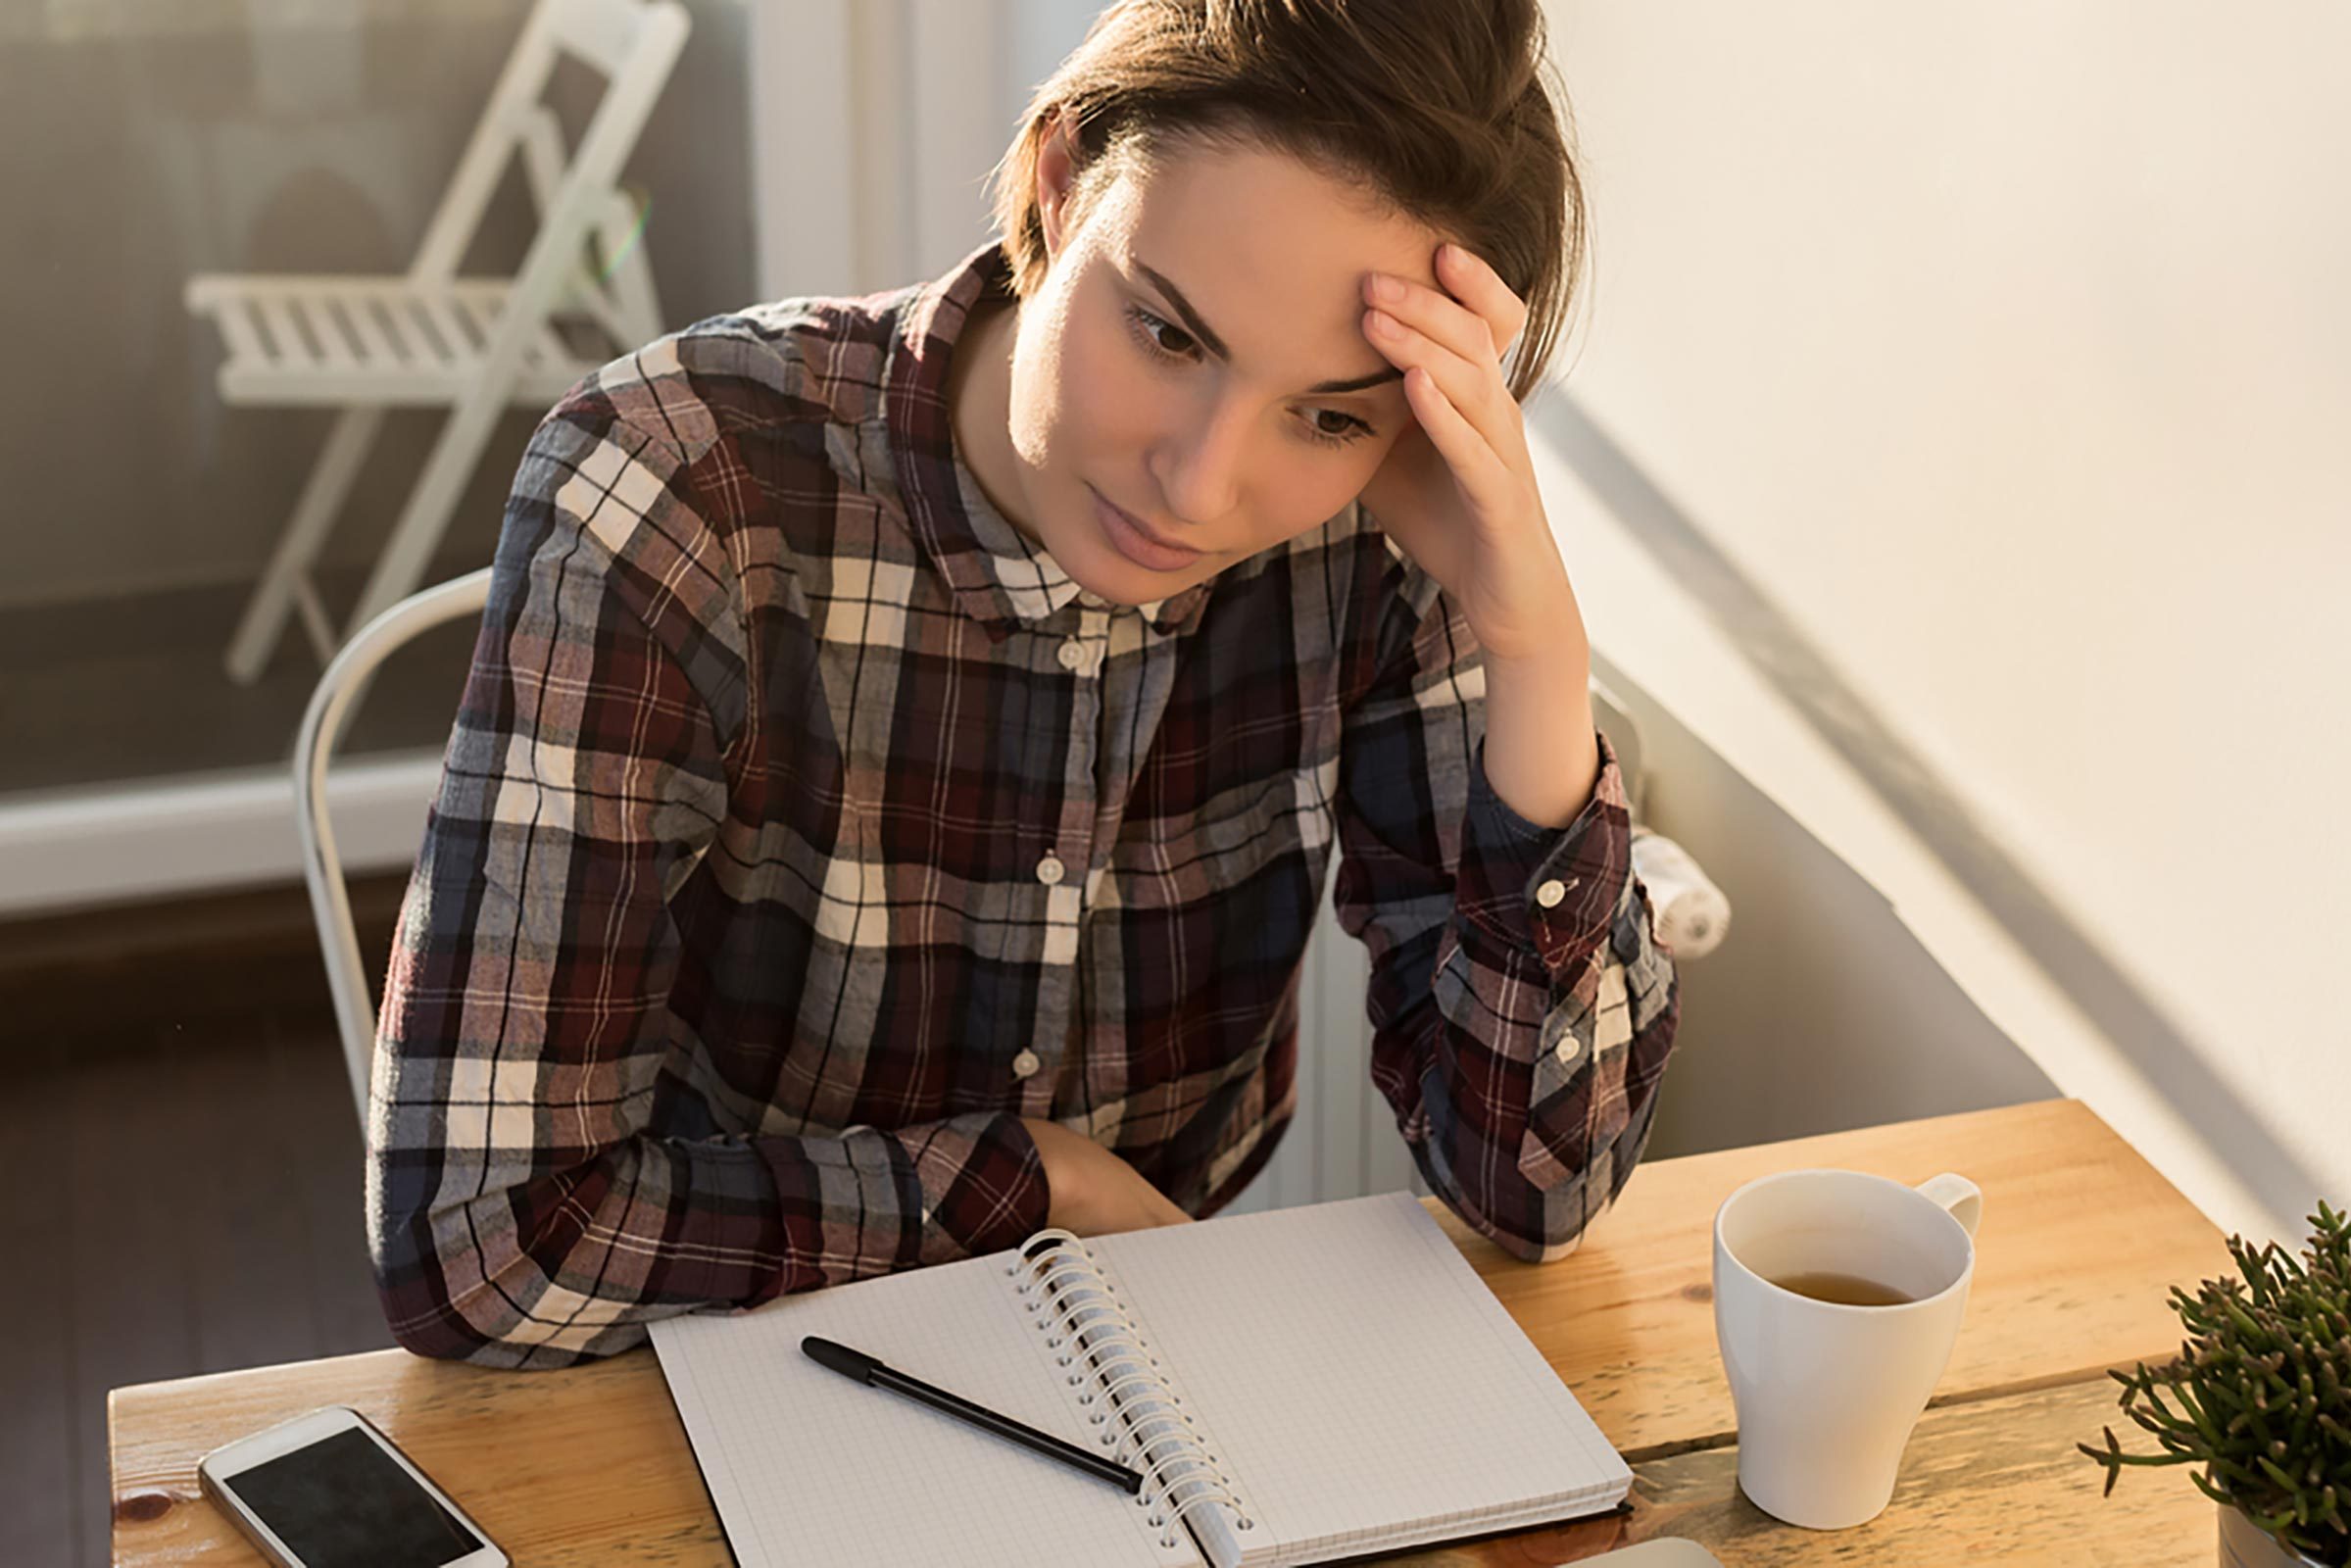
1170,361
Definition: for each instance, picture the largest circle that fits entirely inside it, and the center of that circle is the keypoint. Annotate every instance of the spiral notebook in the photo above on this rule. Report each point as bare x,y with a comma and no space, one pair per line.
1298,1386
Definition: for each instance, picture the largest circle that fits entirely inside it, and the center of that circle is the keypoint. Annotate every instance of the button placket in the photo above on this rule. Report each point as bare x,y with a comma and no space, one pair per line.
1080,652
1062,868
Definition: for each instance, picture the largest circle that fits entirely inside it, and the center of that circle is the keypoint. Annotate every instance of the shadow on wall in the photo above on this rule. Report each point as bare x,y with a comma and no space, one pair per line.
1904,1019
1821,1011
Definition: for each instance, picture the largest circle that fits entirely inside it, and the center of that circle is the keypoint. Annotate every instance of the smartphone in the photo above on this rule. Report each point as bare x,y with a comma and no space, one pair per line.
328,1489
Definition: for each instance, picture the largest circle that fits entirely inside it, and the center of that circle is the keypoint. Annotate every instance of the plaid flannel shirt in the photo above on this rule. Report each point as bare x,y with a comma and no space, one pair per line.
804,826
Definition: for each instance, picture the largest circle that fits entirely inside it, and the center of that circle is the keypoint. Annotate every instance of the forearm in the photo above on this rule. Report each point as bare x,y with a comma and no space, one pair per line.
1521,1012
1524,1087
544,1266
1542,755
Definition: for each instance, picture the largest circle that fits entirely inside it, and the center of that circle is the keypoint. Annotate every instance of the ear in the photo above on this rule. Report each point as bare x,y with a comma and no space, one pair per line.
1056,174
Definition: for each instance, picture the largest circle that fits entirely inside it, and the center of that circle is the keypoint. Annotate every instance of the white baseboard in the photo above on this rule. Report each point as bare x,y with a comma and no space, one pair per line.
202,834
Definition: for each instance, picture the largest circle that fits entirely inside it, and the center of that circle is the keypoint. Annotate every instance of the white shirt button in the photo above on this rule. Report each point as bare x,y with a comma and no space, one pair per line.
1025,1065
1051,870
1552,892
1072,654
1557,1038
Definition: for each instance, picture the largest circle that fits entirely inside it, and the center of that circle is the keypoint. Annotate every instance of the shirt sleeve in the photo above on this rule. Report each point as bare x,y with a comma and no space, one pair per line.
1522,1010
524,1207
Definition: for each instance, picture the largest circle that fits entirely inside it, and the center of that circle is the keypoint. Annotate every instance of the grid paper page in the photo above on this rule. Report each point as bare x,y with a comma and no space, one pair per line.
1364,1388
808,1467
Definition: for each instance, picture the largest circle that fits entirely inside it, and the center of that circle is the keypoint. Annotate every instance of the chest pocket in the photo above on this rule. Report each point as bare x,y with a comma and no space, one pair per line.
1280,827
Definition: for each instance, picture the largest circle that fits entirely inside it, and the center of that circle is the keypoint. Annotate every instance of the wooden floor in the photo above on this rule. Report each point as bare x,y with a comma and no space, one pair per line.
182,1189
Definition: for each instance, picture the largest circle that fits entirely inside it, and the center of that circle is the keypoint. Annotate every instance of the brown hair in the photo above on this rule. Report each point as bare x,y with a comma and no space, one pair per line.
1440,111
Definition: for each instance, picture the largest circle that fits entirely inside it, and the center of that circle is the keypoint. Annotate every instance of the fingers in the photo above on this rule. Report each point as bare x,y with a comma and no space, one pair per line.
1464,445
1459,374
1418,327
1482,288
1472,312
1156,1206
1468,390
1093,1190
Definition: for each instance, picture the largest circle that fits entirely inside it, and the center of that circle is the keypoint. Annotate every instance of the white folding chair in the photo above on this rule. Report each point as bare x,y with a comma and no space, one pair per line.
430,338
330,707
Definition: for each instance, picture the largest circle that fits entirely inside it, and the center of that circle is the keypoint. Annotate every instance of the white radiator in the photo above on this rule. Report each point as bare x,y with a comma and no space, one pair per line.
1342,1142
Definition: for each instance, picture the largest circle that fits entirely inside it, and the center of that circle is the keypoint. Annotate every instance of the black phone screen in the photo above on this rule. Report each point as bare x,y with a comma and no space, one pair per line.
343,1503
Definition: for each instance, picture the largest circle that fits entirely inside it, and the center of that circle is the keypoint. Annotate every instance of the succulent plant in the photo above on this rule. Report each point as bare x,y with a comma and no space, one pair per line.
2263,1384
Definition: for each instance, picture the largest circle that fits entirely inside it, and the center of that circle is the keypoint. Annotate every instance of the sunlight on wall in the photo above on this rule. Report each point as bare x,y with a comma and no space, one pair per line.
2005,350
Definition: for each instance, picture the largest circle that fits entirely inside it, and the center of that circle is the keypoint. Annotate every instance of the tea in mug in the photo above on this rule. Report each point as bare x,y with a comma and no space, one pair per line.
1844,1290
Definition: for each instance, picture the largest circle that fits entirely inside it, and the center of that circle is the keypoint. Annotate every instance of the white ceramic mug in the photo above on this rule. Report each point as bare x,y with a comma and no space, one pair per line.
1827,1394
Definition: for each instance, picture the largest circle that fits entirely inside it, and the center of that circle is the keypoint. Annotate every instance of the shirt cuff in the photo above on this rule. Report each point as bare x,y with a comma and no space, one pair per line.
996,1196
1552,889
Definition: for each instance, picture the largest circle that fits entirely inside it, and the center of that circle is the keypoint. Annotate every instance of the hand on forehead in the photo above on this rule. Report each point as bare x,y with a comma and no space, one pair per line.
1272,256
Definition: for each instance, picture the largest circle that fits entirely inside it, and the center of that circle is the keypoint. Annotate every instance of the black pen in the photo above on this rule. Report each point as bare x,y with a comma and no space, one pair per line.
858,1367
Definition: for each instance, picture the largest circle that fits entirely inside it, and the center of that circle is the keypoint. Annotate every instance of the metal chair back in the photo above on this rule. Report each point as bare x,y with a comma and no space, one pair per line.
323,724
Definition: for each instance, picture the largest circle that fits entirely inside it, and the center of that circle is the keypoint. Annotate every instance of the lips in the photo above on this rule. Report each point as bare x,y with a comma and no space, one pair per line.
1136,542
1144,529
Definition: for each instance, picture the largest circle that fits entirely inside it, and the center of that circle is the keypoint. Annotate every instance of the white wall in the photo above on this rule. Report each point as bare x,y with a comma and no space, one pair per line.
2006,348
1941,467
931,91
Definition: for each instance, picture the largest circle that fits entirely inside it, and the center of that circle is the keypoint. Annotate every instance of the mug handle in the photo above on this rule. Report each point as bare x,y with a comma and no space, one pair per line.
1962,1197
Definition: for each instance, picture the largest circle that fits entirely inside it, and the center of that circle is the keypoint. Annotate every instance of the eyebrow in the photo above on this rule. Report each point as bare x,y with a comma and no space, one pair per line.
1215,345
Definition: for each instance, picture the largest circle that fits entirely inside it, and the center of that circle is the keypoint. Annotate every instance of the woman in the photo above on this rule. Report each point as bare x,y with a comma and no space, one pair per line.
908,734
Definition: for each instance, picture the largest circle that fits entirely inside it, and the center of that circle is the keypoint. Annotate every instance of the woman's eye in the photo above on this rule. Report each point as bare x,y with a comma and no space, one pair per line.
1147,327
1348,427
1146,330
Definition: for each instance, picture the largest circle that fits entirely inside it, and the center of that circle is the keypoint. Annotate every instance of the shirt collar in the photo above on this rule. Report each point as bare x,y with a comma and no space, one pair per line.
999,576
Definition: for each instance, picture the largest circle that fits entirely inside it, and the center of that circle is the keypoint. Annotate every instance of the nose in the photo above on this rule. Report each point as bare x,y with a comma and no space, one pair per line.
1198,468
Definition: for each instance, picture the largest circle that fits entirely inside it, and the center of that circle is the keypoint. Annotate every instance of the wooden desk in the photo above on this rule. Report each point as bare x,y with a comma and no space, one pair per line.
2080,1239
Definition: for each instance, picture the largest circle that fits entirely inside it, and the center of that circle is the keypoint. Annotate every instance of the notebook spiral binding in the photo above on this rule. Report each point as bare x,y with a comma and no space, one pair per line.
1078,1310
